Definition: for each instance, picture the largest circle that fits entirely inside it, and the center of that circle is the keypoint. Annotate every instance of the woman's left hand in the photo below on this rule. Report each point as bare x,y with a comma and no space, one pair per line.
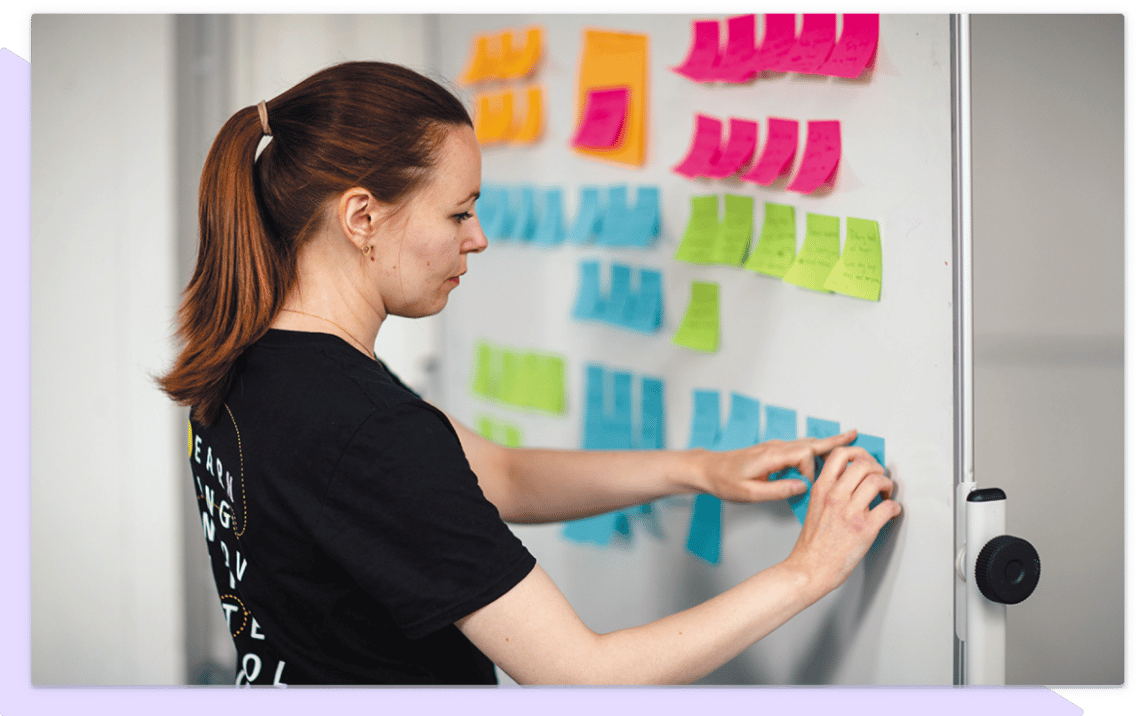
744,475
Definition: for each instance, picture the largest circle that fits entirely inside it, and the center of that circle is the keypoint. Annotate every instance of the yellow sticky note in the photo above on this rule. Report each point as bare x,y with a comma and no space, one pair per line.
818,255
616,59
480,63
859,271
494,116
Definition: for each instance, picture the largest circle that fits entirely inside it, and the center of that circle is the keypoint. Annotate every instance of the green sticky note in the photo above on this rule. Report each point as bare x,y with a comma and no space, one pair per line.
483,380
550,383
700,328
776,249
735,231
509,435
530,376
486,427
700,235
859,271
818,255
513,388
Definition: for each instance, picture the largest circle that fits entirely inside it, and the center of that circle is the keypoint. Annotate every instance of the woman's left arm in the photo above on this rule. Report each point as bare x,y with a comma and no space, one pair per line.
540,485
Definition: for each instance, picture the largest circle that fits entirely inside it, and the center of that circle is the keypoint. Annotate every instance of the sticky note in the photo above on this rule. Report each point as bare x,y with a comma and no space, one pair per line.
597,530
779,151
700,328
734,233
494,116
528,129
736,63
820,428
479,63
589,306
704,148
705,526
776,248
816,428
520,63
737,150
589,218
612,229
818,255
877,447
816,40
855,48
491,208
608,422
647,308
859,271
603,119
616,59
779,38
550,230
704,432
780,424
504,434
643,222
821,156
703,52
700,233
620,300
552,382
652,414
742,429
523,210
523,379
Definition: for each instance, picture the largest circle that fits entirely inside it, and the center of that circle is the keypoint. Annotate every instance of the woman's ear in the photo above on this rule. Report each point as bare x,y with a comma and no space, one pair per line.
359,215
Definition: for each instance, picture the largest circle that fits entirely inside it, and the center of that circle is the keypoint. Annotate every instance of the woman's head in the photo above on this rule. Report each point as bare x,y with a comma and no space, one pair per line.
360,125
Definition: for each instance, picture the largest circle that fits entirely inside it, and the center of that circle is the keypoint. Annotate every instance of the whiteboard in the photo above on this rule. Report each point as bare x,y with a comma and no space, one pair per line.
884,367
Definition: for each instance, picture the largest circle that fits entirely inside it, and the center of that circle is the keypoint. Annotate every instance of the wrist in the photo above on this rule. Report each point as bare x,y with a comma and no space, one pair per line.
694,472
808,582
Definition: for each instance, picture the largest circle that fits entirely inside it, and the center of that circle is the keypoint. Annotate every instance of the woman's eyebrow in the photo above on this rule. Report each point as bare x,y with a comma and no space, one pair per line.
472,195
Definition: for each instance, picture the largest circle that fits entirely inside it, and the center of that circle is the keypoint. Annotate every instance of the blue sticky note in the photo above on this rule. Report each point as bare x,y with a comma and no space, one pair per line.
550,231
612,230
618,301
643,222
588,221
619,420
597,530
652,414
493,211
878,449
645,312
524,224
743,426
780,424
593,428
704,531
705,430
589,306
820,428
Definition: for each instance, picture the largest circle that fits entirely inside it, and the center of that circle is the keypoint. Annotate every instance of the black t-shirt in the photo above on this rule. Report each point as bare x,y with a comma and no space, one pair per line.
346,530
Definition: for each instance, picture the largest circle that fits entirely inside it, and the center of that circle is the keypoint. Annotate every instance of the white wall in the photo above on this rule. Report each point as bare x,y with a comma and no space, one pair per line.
106,592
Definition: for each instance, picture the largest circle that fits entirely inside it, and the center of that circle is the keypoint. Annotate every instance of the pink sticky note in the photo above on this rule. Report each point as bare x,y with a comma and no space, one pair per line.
603,118
815,43
737,151
704,150
779,150
821,156
736,62
779,37
704,52
855,48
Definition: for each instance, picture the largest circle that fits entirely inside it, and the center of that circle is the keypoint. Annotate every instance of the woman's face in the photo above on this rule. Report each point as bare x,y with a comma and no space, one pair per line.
420,259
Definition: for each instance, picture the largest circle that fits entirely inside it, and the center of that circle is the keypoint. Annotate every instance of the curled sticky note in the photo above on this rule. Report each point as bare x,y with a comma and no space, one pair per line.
527,129
519,64
589,217
779,38
816,40
550,230
589,306
855,48
859,271
734,232
603,118
700,328
700,233
737,150
704,149
821,156
614,217
494,116
779,151
615,59
776,248
480,64
703,52
818,255
737,62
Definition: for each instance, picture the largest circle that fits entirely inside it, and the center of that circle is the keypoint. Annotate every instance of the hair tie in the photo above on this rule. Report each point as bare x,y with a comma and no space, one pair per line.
263,113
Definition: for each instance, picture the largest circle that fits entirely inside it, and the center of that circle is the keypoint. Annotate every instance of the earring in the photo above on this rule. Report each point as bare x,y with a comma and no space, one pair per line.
367,251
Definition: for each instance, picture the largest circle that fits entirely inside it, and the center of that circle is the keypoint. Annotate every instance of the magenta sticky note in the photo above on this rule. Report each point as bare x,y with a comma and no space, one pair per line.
704,53
736,62
779,37
821,156
855,48
815,43
779,150
737,150
603,118
704,149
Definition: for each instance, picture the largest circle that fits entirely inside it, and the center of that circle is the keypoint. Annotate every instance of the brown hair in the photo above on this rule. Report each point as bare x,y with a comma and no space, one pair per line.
369,124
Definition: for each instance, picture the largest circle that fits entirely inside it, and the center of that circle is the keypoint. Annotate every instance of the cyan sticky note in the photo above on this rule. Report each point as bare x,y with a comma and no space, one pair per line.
820,428
494,211
705,429
550,231
652,414
647,305
619,420
589,306
705,529
612,230
588,221
874,445
593,429
524,224
816,428
597,530
643,222
620,296
780,424
742,429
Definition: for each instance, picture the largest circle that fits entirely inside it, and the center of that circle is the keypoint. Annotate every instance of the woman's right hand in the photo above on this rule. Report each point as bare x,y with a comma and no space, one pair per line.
840,526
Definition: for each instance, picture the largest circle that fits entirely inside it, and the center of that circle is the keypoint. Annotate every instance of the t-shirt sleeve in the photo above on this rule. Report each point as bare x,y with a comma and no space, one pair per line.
405,516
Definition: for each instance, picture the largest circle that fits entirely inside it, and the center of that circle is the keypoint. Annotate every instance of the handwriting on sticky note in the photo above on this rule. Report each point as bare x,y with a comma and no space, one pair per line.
818,255
779,151
776,248
736,152
779,38
700,233
859,271
821,156
816,40
700,327
703,52
734,233
855,48
704,149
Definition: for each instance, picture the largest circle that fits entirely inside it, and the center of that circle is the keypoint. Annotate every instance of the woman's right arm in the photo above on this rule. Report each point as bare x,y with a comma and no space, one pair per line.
535,636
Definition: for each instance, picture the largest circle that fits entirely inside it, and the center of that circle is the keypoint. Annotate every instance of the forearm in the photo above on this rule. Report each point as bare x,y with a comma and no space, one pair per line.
553,485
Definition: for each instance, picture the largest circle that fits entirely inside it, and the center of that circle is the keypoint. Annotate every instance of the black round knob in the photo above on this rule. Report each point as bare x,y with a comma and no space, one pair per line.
1007,569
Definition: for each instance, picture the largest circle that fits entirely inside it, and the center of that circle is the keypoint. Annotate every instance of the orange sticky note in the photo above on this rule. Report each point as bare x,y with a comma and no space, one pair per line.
480,63
520,64
529,128
494,116
615,59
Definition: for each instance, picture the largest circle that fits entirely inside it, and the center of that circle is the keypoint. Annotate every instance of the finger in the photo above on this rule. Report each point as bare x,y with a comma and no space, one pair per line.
837,462
873,484
856,473
780,489
884,512
822,446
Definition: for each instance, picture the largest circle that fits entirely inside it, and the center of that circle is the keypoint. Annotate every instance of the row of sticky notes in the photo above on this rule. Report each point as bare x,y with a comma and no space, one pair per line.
710,239
522,379
623,306
709,157
613,97
700,326
497,431
815,50
741,430
526,214
496,56
514,116
609,425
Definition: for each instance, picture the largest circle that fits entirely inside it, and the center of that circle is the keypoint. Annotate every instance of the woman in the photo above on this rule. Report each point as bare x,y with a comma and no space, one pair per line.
356,532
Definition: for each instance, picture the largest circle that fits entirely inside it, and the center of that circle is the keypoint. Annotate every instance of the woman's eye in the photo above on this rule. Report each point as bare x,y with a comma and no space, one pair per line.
463,217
